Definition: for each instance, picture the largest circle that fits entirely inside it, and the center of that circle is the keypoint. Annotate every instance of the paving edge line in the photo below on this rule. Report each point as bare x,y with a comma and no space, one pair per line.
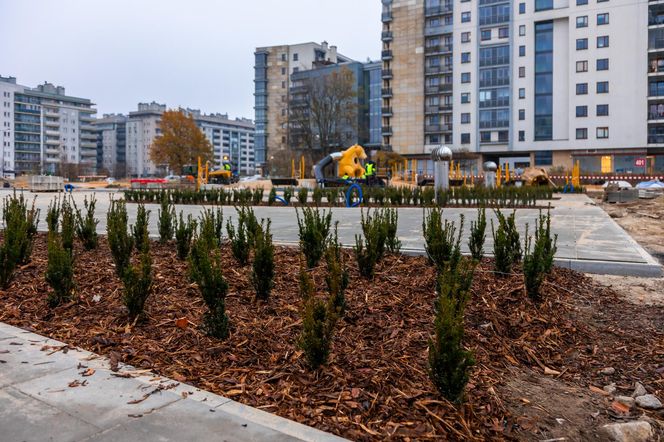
649,269
259,417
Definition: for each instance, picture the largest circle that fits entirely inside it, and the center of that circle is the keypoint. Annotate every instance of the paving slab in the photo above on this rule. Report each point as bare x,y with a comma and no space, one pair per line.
23,418
50,394
587,235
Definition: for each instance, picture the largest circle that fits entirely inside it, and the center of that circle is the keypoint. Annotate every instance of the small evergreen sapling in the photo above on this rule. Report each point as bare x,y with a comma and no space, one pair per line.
67,225
449,362
166,219
205,268
119,240
303,196
240,246
538,257
506,243
137,282
86,226
442,242
211,227
272,196
59,271
53,215
262,273
391,220
317,325
183,236
314,230
140,229
478,235
337,278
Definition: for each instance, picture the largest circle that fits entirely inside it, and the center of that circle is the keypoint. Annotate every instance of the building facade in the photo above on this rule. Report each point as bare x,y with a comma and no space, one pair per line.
45,131
231,139
112,145
274,66
542,83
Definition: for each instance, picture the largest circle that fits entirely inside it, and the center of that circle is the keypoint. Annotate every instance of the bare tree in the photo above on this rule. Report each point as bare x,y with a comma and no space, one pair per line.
323,113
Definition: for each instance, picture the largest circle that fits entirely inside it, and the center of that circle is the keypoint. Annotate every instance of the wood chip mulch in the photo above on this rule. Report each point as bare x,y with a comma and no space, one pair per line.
376,384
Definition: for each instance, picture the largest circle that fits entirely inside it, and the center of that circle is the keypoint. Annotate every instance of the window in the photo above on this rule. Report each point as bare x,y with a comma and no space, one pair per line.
296,57
603,19
283,85
465,118
522,71
602,110
602,64
465,77
283,57
581,111
522,51
465,37
522,8
485,137
581,44
582,134
465,97
485,35
522,92
503,32
543,5
582,66
465,57
543,81
603,41
522,114
602,87
582,21
522,30
543,158
581,88
465,138
581,2
522,135
465,17
602,132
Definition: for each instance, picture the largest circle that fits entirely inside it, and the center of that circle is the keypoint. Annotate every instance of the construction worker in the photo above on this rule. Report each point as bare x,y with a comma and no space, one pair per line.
345,177
369,170
227,166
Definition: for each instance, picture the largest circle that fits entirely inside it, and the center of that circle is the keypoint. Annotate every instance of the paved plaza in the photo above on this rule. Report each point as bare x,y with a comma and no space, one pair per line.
50,394
588,239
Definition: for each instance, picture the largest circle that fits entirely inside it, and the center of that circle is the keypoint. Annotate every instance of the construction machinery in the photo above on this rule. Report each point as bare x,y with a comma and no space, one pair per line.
202,175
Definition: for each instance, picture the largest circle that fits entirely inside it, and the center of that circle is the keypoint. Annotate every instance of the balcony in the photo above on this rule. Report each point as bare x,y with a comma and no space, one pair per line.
437,128
437,30
386,92
386,55
51,113
438,49
88,144
52,123
387,147
438,10
53,141
432,70
387,36
386,111
387,73
386,17
87,118
437,89
88,127
386,130
88,136
52,133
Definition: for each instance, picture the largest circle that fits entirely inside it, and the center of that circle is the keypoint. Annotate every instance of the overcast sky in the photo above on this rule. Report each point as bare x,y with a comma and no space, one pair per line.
190,53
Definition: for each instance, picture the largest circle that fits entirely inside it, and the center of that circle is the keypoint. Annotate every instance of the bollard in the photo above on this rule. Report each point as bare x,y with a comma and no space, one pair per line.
490,174
441,157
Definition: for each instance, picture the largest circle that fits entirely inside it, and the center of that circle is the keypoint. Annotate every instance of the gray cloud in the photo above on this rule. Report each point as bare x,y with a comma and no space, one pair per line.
195,53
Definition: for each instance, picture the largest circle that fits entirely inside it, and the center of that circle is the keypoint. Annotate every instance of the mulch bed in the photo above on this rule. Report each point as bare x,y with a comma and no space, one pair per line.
376,384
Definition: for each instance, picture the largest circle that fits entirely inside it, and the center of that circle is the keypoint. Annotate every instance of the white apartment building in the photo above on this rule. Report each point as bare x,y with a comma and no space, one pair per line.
44,130
230,139
542,82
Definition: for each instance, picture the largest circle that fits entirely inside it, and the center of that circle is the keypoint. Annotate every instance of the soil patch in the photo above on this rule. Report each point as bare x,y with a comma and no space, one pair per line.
375,385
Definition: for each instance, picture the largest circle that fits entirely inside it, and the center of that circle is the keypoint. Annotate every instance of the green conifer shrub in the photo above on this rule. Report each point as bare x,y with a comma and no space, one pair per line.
478,235
442,242
59,271
137,281
166,219
184,234
86,225
119,240
140,229
262,273
314,231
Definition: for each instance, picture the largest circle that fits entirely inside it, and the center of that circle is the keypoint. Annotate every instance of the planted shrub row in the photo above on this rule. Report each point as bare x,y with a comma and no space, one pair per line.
373,196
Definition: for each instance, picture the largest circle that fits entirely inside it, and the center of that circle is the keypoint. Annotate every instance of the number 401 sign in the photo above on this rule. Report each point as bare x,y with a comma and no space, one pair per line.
640,162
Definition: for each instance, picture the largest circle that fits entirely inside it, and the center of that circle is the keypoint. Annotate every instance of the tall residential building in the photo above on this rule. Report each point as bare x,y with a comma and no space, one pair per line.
112,144
274,66
44,130
233,139
541,83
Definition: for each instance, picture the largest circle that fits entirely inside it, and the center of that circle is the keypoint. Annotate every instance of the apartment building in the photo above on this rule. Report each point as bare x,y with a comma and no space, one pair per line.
43,130
231,139
274,66
112,144
542,83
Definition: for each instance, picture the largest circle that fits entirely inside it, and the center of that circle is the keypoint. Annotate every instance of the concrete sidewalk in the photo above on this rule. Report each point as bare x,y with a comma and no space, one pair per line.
51,394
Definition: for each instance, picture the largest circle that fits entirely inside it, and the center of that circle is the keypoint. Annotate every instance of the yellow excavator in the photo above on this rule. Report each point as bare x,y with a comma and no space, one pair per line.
203,175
